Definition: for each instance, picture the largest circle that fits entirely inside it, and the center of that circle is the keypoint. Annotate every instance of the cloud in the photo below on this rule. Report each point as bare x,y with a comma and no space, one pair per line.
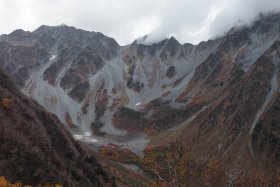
241,12
186,20
125,20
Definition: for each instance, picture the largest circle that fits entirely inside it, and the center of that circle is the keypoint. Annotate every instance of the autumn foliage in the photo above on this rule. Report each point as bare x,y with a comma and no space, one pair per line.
5,183
6,102
170,165
118,153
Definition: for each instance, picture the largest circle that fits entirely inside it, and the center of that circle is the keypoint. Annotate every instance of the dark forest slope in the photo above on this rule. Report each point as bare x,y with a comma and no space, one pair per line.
35,148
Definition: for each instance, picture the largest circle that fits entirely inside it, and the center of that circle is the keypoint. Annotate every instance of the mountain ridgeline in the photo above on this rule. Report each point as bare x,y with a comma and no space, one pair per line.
219,98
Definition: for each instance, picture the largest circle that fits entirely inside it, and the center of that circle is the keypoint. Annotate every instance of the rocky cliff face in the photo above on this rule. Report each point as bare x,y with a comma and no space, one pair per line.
222,91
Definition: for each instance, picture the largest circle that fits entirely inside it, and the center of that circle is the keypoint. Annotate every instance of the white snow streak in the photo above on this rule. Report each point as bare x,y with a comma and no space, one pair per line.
273,89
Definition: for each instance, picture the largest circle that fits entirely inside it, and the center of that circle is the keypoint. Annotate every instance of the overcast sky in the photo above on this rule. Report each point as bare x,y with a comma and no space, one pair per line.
189,21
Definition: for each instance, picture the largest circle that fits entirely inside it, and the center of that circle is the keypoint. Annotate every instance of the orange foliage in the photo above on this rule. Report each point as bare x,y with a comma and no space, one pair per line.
259,179
117,153
68,120
149,131
5,102
214,174
6,183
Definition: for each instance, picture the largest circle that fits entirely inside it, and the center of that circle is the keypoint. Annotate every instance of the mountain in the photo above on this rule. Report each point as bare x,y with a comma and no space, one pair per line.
84,77
218,98
36,148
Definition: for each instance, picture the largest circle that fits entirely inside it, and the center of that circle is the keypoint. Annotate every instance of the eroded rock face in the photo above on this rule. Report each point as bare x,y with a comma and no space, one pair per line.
76,78
21,58
73,56
79,91
170,72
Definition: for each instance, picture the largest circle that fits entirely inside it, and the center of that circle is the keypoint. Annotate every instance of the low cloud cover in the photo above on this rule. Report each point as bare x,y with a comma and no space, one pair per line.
126,20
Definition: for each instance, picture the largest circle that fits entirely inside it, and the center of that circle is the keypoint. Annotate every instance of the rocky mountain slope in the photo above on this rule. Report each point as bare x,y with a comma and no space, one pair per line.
36,148
85,77
218,97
